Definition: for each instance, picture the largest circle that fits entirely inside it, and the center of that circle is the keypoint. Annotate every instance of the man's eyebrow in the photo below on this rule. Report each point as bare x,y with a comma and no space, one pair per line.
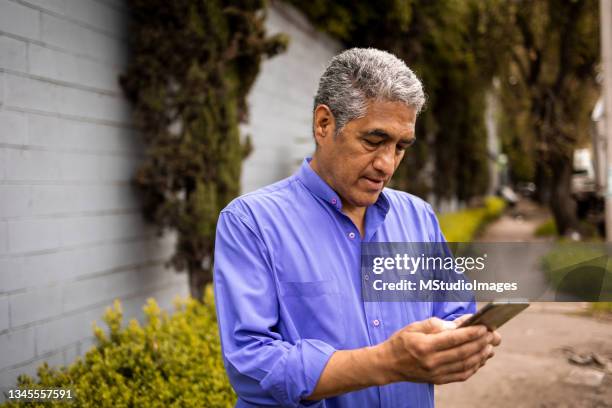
385,135
377,132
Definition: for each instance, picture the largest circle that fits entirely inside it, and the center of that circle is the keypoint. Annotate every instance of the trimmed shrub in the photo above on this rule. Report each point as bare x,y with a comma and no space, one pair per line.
579,269
601,307
547,229
463,225
170,361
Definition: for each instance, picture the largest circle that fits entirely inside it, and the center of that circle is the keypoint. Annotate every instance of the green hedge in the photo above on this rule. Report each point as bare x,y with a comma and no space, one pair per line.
463,225
601,307
547,229
575,268
170,361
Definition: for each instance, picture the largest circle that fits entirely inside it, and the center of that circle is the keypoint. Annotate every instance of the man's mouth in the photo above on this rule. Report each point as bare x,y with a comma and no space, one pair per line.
374,183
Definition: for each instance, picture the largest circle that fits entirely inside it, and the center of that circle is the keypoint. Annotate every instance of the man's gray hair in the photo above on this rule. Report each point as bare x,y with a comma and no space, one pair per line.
359,75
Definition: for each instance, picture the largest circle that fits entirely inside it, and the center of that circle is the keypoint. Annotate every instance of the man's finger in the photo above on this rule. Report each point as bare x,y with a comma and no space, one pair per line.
496,338
474,360
461,353
430,326
453,338
462,319
449,378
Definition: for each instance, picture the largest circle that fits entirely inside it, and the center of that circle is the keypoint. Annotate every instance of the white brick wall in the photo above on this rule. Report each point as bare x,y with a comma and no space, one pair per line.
72,238
71,235
281,100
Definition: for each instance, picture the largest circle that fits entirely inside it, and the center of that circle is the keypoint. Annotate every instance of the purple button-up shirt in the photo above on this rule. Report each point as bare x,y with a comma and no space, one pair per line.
288,291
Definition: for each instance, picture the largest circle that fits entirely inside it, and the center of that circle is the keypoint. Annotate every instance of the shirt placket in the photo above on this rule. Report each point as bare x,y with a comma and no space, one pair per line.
377,327
372,310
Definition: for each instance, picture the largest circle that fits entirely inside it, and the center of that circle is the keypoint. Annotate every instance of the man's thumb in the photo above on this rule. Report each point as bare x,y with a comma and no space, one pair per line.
431,325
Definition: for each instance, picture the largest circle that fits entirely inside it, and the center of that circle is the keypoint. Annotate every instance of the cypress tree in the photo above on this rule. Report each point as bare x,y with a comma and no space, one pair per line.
193,64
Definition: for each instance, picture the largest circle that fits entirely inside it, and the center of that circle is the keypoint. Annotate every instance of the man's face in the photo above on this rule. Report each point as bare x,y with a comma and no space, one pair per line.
359,162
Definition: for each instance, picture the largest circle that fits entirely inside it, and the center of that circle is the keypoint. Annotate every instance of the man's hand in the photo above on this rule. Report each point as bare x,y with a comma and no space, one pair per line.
432,351
435,351
496,336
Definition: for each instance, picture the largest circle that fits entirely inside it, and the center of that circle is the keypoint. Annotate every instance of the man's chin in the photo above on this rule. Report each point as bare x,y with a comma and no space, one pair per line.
366,199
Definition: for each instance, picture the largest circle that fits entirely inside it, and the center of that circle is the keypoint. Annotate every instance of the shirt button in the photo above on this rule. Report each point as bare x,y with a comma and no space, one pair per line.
376,322
351,235
334,201
366,277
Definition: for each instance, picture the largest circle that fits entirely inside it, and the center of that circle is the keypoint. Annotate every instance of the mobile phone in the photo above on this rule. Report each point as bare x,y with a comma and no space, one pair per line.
495,314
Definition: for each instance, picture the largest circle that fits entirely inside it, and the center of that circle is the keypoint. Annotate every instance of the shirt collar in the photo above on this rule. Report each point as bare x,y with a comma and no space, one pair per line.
321,189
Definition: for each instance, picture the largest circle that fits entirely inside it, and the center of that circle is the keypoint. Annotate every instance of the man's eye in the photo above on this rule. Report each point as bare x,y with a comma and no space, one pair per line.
403,146
372,142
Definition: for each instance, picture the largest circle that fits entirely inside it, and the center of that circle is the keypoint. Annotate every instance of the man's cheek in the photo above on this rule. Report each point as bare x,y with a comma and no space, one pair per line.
398,161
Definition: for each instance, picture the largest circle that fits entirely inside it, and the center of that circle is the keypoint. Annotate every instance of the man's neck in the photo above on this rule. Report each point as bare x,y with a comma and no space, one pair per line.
356,214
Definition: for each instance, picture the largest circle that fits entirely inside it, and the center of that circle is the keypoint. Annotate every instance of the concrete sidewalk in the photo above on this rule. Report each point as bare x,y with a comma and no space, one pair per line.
531,367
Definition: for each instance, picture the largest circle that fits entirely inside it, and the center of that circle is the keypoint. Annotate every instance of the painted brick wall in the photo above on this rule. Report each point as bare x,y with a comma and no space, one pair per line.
71,235
282,97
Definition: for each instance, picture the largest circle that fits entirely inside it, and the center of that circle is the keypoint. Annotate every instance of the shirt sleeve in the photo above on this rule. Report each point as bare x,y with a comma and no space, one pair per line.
264,369
447,310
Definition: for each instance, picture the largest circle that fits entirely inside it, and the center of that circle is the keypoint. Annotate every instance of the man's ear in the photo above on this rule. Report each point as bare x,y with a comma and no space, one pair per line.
324,124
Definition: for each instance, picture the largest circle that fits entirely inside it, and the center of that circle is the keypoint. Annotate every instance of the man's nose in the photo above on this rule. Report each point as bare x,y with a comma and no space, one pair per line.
385,160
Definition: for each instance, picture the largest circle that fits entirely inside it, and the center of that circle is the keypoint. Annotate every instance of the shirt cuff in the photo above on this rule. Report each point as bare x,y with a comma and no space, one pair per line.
295,375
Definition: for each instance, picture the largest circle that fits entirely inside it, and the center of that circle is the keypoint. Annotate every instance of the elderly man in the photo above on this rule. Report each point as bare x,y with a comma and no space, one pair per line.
294,328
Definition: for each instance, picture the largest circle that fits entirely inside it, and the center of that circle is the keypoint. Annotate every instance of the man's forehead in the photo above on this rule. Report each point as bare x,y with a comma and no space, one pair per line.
390,117
388,109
